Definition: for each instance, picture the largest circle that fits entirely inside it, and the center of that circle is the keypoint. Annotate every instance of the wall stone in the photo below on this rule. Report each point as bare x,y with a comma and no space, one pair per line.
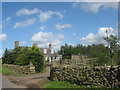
29,69
103,76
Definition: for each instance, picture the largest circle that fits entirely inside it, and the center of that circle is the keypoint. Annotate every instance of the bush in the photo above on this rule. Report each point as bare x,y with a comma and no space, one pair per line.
36,57
23,56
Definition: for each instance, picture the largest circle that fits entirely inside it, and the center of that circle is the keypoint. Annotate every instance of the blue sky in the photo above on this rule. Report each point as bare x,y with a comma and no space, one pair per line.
58,23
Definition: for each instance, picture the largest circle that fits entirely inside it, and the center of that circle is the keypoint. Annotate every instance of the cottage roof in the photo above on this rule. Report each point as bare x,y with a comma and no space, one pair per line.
48,52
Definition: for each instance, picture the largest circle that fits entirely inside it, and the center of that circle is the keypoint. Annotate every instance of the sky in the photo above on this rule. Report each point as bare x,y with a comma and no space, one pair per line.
57,23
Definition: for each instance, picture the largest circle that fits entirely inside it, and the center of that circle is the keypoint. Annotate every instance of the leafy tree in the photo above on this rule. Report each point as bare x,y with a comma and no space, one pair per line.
95,51
36,57
113,49
7,57
23,56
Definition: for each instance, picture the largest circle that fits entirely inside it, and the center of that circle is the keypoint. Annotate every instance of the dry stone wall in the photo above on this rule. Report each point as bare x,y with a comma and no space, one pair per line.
29,69
107,77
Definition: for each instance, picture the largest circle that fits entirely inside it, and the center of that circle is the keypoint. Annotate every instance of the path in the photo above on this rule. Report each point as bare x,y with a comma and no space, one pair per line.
7,84
30,81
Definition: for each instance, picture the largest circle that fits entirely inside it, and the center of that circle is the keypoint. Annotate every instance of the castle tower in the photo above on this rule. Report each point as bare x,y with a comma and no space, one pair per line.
16,44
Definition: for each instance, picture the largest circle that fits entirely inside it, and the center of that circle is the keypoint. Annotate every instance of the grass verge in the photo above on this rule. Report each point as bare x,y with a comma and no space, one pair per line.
6,71
0,65
60,84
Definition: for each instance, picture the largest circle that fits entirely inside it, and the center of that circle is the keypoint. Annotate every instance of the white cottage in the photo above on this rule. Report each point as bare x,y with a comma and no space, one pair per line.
49,53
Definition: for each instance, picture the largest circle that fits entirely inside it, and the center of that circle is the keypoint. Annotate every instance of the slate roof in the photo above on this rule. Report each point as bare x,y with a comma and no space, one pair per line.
48,52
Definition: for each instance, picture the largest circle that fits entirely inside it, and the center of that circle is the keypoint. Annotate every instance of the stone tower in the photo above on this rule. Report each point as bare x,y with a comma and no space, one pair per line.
16,44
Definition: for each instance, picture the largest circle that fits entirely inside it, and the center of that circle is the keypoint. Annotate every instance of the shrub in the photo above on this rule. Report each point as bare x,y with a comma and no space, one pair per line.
36,57
23,56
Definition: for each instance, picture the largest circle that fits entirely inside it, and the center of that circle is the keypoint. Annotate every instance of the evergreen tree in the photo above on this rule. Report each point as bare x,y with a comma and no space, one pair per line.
113,49
23,56
36,57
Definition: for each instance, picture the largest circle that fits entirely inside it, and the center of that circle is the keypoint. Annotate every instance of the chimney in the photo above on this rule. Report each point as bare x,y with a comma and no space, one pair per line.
16,44
35,44
50,46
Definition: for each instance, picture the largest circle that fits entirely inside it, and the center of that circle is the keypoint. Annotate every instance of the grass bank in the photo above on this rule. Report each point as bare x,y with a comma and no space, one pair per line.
60,84
6,71
0,65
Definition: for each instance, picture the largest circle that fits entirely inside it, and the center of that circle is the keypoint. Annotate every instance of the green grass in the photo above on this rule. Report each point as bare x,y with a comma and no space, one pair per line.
0,65
60,84
6,71
64,84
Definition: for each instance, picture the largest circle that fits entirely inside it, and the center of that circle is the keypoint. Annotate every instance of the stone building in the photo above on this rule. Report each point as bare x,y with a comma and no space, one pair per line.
49,53
82,59
78,57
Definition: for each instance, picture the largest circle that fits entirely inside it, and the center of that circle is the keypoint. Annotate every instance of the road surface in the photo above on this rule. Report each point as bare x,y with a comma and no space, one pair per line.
7,84
25,82
0,81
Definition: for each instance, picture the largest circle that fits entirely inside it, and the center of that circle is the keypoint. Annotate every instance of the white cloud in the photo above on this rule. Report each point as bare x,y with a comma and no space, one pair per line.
60,36
44,16
0,26
25,11
95,6
25,23
56,43
3,37
23,42
42,27
8,19
97,0
97,38
59,27
0,53
72,44
44,38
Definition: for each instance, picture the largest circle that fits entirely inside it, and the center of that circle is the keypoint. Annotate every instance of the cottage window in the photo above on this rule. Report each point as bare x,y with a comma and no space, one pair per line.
52,51
45,51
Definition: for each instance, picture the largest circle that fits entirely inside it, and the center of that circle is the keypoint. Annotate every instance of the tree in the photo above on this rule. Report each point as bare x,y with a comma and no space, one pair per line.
5,57
23,56
93,51
112,41
36,57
